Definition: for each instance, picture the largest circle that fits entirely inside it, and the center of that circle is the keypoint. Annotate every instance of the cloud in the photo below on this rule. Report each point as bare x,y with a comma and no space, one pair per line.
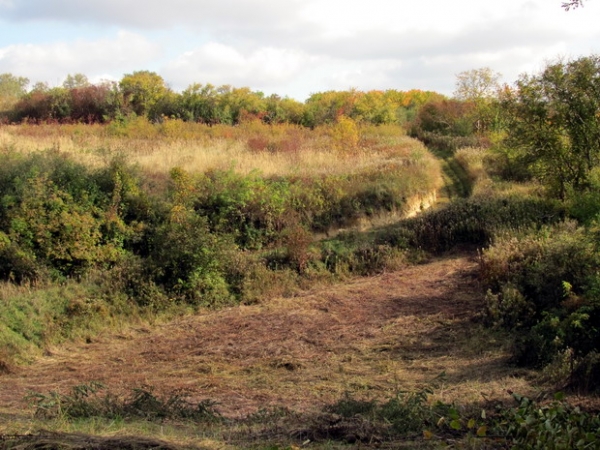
50,62
498,35
218,63
291,47
224,14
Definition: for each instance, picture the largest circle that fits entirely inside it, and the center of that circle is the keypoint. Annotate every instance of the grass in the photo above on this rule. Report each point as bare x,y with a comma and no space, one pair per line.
278,367
220,148
155,234
369,338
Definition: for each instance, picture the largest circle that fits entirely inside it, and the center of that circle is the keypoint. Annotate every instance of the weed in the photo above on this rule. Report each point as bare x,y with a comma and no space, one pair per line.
555,426
86,401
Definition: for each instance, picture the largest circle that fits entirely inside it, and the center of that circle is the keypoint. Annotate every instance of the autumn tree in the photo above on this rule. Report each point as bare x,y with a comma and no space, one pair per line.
283,110
92,104
406,104
43,104
325,107
142,90
239,104
477,84
374,107
449,117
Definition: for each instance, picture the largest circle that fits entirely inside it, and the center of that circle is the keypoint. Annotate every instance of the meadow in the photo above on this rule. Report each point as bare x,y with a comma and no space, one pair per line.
186,215
237,281
118,237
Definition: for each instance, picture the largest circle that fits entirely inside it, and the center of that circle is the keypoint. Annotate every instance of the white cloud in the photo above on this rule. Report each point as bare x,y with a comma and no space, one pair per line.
219,64
51,62
293,46
225,14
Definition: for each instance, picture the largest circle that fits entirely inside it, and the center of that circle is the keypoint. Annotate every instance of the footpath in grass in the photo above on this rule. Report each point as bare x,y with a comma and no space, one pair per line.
457,183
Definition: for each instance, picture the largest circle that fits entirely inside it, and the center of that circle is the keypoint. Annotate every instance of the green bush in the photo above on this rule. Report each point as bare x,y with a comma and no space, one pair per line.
188,260
474,221
406,413
249,207
544,286
92,400
60,218
553,426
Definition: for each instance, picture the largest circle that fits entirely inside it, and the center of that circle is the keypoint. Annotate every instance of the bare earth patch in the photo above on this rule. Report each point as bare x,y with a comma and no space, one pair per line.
371,336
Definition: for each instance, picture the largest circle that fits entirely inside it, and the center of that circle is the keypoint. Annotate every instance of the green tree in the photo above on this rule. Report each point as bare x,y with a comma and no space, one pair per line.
480,87
40,86
283,110
142,90
553,124
375,107
78,80
11,89
199,103
325,107
239,104
408,103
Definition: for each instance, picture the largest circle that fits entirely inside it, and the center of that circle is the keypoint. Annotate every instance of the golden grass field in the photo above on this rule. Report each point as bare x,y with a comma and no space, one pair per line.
271,150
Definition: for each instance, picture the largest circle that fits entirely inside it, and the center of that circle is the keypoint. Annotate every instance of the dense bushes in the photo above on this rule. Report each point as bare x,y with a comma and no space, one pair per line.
474,221
447,125
146,94
544,285
52,218
87,104
60,219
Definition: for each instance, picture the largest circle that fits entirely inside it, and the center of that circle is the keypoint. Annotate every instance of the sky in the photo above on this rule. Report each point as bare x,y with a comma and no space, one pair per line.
292,48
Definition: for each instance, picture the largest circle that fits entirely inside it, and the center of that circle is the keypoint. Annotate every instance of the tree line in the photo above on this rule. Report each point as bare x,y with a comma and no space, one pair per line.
145,93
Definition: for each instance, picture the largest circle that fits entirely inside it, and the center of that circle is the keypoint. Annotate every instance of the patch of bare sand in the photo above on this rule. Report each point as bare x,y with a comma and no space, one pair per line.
370,336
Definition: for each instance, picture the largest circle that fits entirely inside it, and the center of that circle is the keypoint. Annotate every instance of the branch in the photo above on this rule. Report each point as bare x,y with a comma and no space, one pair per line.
572,4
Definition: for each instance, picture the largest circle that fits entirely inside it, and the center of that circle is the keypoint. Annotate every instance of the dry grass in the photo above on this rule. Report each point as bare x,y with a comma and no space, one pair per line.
370,337
294,151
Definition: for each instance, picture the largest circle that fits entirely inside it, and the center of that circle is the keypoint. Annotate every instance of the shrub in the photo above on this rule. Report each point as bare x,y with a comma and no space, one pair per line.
544,286
61,217
403,414
475,221
51,226
540,265
556,426
87,401
187,259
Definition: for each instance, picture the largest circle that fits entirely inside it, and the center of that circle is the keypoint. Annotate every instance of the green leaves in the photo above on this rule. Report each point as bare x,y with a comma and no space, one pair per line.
553,120
555,426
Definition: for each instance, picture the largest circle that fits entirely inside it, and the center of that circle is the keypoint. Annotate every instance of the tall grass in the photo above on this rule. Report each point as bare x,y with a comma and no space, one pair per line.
269,149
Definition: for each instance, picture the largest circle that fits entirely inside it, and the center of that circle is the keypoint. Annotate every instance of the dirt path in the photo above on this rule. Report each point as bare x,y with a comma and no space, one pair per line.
371,335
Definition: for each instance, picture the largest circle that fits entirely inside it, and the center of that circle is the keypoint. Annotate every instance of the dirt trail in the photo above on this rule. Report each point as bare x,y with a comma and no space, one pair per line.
370,335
